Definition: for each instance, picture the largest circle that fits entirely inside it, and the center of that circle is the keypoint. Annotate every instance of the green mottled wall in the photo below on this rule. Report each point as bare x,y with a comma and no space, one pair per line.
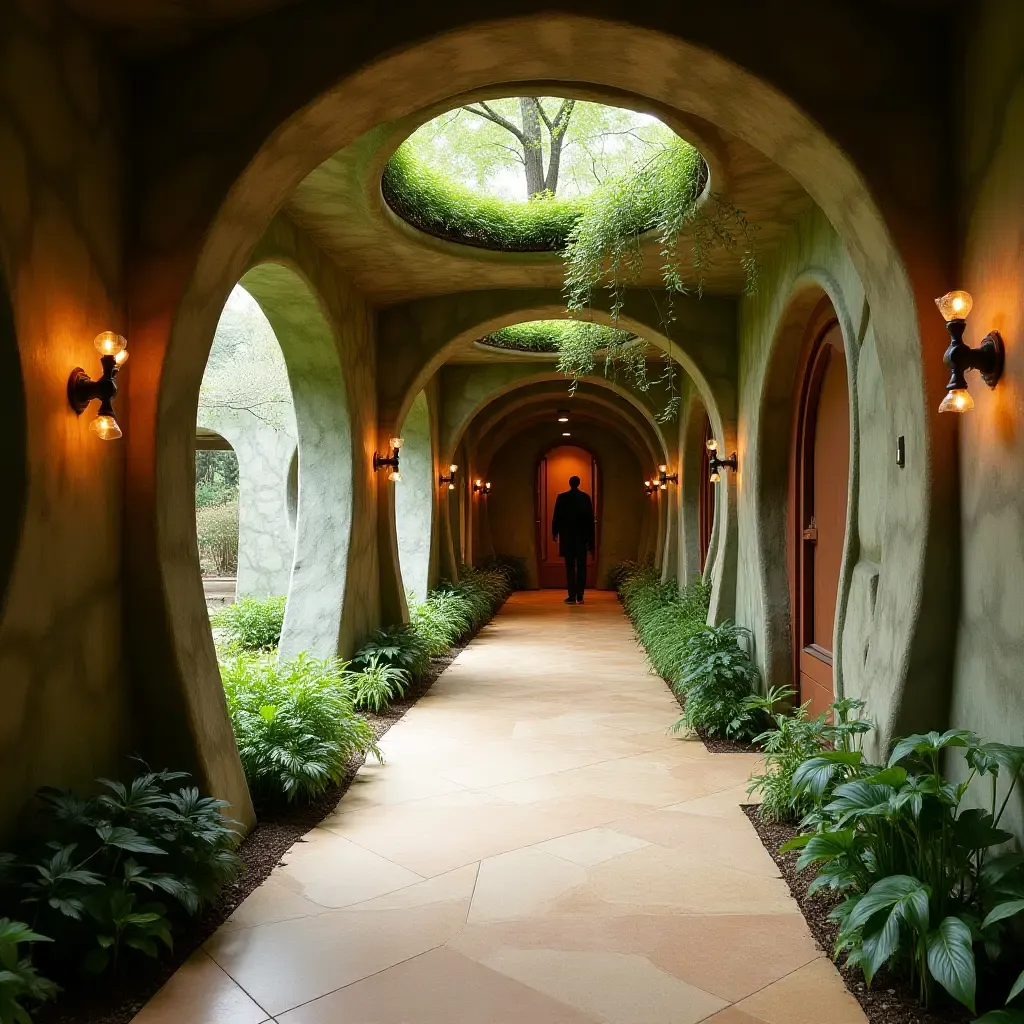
988,687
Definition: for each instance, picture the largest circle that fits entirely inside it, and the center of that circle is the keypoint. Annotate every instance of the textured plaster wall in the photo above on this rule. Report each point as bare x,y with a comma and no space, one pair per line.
988,695
511,508
246,399
415,498
878,586
63,685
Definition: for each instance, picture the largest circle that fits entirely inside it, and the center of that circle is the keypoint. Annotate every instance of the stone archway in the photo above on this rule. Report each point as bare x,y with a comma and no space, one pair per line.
415,500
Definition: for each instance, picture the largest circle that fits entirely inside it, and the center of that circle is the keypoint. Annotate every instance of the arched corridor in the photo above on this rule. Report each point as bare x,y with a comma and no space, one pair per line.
535,850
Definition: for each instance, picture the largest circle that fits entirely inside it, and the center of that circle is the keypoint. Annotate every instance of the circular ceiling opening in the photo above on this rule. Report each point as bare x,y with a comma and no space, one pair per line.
553,336
519,174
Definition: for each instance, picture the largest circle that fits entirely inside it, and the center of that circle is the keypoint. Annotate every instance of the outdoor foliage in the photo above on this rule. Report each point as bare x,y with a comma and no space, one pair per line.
928,885
20,983
119,871
295,723
401,647
664,616
376,685
251,624
216,478
217,530
557,336
717,683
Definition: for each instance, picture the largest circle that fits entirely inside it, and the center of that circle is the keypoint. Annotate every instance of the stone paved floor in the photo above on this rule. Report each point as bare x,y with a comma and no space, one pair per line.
536,850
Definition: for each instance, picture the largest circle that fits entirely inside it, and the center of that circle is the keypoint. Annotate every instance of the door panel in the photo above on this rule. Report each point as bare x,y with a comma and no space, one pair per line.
822,463
552,478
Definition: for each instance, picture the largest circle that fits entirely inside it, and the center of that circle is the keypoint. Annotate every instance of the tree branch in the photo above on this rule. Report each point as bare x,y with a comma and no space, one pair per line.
491,115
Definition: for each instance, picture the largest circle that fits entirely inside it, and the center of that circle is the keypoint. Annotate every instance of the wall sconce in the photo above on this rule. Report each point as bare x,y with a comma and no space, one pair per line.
82,389
449,479
651,487
379,461
664,476
715,464
987,358
484,487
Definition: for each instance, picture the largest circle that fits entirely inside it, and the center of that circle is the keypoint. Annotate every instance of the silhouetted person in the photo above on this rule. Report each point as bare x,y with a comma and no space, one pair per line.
572,525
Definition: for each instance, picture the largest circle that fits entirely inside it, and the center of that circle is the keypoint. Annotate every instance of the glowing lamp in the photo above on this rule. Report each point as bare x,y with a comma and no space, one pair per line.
82,389
389,461
987,358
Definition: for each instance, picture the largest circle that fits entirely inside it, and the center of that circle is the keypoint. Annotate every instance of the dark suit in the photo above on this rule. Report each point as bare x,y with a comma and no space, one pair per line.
572,525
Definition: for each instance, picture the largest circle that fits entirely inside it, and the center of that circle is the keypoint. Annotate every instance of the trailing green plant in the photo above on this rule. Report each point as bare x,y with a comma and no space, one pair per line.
376,685
21,984
926,888
295,723
401,647
111,862
251,624
810,750
663,616
718,679
435,203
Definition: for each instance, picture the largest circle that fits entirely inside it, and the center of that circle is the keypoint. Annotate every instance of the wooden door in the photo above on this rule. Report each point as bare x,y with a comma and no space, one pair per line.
552,478
822,466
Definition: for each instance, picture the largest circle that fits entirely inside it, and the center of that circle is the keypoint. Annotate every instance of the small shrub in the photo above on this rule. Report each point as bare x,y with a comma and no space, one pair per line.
376,686
294,723
20,982
121,868
217,531
401,647
441,620
718,680
251,624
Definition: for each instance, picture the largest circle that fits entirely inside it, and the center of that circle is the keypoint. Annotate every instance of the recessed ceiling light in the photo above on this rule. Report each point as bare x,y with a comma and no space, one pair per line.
563,415
565,433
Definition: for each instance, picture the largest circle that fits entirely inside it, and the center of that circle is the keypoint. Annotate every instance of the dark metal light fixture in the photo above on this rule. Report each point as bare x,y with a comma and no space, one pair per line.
82,389
450,478
484,487
650,487
380,461
715,464
664,477
987,358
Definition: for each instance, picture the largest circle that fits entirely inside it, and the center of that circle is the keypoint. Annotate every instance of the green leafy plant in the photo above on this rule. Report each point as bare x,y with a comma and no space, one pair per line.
924,890
217,530
717,682
398,646
20,982
295,723
251,624
376,685
804,758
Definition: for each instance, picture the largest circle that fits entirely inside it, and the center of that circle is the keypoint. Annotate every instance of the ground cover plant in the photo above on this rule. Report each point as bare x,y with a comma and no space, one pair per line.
928,884
552,335
250,624
108,880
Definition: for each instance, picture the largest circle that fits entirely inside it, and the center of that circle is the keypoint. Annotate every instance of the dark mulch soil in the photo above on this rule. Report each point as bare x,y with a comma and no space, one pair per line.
278,828
889,1000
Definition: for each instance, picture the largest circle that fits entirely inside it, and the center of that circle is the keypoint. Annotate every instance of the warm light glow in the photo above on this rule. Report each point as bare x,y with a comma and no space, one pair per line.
663,468
566,433
109,344
479,484
664,487
451,487
396,443
488,485
715,476
563,419
121,358
957,400
647,483
105,428
452,468
955,305
711,444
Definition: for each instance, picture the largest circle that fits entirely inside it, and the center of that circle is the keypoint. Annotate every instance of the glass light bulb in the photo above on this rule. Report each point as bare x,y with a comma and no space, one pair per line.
711,444
109,344
957,400
452,468
396,443
451,487
715,476
488,485
663,469
105,428
664,487
121,358
395,476
955,305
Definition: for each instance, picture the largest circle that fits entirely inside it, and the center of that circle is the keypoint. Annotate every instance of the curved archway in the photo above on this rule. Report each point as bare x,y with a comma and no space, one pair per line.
415,501
12,452
240,202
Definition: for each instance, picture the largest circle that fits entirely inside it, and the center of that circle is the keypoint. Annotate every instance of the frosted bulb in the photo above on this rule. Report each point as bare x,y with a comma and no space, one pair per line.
452,468
395,476
663,469
396,443
711,444
105,428
957,400
451,487
121,358
955,305
109,344
715,476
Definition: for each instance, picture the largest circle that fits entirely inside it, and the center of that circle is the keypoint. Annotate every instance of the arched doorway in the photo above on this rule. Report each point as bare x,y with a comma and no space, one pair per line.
553,473
819,488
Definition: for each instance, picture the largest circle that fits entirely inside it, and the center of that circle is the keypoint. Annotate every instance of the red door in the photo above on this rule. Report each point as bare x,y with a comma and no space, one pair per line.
822,466
552,478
